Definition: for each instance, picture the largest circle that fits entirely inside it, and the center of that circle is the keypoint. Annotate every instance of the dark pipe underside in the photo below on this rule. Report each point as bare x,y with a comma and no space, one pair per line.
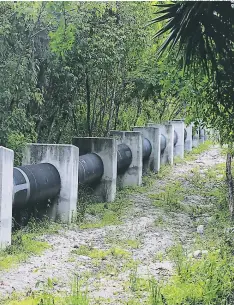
91,168
146,149
163,143
175,138
124,158
185,134
35,183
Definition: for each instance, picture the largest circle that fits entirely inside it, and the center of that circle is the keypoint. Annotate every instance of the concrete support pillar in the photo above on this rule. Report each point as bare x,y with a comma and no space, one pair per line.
133,139
206,137
189,138
106,149
153,134
167,156
6,195
66,159
201,135
179,146
195,141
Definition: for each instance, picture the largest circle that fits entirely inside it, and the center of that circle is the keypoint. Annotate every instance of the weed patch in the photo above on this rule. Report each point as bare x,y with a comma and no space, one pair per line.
101,254
26,243
104,214
190,156
77,296
170,198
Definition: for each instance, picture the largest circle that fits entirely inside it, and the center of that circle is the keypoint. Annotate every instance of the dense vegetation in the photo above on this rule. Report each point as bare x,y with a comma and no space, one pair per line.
202,31
83,68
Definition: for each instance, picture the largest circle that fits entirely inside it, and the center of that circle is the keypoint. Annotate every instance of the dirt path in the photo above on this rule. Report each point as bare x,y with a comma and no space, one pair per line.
145,235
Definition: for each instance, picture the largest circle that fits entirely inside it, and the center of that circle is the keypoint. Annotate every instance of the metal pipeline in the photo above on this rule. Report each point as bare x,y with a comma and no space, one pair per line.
124,158
163,143
41,182
35,183
146,149
91,168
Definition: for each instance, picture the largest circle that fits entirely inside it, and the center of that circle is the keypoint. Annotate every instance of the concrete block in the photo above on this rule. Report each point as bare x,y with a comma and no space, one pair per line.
195,140
189,138
179,146
66,159
133,139
167,156
106,149
167,131
201,135
6,195
153,134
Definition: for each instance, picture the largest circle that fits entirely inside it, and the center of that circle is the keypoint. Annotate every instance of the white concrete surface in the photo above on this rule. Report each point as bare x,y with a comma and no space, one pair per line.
66,159
6,195
106,149
179,146
153,134
189,139
133,139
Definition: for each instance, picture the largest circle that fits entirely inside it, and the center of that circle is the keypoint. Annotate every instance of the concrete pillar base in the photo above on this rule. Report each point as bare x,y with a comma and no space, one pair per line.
189,139
153,134
179,146
105,148
167,156
66,159
133,139
6,195
195,138
201,135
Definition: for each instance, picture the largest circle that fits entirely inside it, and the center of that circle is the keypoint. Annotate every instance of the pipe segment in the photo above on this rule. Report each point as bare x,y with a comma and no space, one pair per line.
35,183
147,149
91,168
175,138
163,143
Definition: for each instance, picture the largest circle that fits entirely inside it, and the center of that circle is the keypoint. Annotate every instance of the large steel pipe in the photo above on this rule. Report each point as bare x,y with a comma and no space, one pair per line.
124,158
91,168
146,149
35,183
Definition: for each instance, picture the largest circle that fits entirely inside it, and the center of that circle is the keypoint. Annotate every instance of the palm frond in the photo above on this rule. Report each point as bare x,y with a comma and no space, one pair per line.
201,29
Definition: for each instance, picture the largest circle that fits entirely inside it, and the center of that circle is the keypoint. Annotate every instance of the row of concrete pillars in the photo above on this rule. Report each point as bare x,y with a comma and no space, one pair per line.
65,158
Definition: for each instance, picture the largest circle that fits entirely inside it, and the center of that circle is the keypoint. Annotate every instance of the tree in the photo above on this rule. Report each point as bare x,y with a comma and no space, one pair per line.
202,32
82,68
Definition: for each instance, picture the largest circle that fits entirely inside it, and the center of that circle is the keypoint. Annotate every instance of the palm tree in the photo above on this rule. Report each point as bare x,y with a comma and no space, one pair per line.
203,33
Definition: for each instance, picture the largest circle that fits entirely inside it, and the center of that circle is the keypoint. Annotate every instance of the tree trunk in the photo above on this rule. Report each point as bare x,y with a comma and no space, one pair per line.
229,182
88,102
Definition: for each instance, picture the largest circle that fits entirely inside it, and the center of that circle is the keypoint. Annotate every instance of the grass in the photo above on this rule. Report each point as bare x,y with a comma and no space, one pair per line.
104,214
208,280
26,242
130,243
170,198
77,296
99,253
190,156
